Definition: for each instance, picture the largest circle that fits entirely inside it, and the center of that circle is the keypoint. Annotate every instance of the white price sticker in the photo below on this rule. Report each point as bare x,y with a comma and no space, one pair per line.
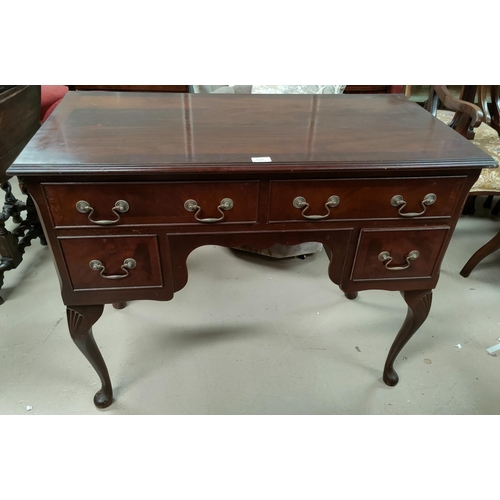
260,159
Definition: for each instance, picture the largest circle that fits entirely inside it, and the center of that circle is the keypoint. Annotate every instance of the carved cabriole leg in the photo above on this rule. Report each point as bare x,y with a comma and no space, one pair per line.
483,252
80,322
419,304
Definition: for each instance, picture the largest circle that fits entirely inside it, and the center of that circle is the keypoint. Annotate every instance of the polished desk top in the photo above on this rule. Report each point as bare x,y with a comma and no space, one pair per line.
102,132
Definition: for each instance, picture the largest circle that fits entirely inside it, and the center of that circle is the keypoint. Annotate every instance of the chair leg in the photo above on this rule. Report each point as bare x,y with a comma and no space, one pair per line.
432,101
496,209
484,251
470,205
488,202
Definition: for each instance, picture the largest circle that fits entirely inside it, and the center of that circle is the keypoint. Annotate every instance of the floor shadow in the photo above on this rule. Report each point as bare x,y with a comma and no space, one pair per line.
167,345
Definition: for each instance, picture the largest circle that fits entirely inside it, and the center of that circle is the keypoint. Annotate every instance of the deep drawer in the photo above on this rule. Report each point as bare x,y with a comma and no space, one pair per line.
364,199
150,202
399,253
126,261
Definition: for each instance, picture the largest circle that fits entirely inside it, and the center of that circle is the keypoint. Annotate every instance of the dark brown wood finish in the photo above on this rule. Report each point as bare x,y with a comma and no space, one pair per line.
112,252
354,193
150,203
468,116
399,243
490,110
80,322
419,304
157,151
193,134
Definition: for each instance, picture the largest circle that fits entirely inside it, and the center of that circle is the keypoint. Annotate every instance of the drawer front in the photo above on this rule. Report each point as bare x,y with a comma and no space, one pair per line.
150,203
392,254
364,199
114,253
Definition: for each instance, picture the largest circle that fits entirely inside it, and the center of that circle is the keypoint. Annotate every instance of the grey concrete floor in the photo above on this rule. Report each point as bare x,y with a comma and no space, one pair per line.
253,335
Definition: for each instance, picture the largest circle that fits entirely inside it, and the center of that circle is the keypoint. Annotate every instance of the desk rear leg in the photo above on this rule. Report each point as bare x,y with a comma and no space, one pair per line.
492,246
419,305
80,322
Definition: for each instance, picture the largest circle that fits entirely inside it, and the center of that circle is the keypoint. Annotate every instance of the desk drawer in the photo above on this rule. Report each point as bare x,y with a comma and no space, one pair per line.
151,203
131,261
399,253
364,198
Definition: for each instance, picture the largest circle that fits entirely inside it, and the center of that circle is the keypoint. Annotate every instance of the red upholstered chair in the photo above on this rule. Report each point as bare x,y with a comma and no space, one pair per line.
51,97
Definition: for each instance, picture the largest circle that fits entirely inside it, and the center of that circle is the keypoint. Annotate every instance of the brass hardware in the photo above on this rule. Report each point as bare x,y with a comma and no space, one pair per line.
300,202
386,257
225,204
120,206
398,201
96,265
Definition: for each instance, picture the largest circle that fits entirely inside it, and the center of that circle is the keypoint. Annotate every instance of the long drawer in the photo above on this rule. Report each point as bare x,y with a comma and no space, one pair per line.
118,204
112,261
391,198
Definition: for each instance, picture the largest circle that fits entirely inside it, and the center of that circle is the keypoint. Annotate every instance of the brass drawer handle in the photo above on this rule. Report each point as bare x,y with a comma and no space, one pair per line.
398,201
96,265
225,204
300,202
386,257
120,206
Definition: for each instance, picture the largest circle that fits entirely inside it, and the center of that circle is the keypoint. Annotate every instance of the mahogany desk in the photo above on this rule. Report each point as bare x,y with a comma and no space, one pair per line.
127,185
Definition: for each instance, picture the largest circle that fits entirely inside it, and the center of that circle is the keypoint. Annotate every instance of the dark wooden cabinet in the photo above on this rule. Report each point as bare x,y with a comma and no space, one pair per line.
367,89
133,88
19,120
